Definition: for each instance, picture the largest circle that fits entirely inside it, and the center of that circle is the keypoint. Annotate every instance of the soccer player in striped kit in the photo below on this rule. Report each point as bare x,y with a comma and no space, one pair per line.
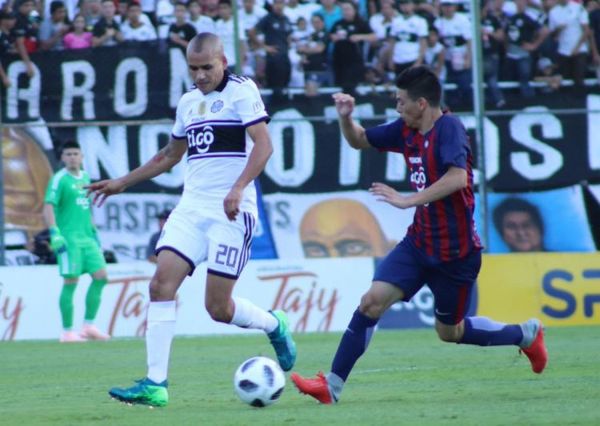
222,125
441,247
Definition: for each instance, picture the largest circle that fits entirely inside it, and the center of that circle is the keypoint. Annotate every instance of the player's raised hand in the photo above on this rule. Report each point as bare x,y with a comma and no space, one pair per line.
344,104
231,203
101,190
390,195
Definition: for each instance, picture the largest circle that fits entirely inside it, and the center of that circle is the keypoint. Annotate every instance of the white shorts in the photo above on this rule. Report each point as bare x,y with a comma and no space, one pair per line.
198,237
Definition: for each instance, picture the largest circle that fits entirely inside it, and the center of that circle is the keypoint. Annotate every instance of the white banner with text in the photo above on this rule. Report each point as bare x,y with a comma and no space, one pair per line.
318,295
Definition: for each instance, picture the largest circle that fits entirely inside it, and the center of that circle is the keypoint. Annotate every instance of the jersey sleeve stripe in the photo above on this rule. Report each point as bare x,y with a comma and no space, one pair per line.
216,155
210,122
265,118
174,136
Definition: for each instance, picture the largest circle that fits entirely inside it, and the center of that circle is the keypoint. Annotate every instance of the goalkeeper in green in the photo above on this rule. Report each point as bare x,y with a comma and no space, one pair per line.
73,238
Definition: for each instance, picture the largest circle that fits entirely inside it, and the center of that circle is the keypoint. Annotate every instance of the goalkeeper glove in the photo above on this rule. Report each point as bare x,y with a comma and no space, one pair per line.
57,241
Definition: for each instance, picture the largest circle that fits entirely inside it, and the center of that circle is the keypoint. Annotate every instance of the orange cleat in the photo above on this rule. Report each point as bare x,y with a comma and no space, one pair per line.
318,387
91,332
536,351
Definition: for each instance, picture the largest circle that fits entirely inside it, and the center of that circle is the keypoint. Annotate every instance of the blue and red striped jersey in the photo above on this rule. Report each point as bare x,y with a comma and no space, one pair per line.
443,229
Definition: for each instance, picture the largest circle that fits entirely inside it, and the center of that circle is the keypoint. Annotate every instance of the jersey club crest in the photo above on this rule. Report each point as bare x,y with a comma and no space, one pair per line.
216,106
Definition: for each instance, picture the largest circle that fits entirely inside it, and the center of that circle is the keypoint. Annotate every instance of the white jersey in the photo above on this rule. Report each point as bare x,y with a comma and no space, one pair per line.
573,17
218,144
408,33
455,33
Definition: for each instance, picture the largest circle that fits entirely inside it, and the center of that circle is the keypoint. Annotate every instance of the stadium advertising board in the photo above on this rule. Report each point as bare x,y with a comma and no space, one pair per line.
558,288
319,295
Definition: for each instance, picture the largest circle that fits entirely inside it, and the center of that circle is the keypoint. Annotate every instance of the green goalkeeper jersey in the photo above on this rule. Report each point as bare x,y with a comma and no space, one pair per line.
71,206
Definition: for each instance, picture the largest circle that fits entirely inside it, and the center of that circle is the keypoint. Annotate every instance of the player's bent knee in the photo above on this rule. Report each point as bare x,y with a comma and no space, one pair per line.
161,290
219,313
371,307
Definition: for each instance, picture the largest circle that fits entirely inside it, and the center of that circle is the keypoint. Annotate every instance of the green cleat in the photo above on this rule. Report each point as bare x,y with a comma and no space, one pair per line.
282,342
145,392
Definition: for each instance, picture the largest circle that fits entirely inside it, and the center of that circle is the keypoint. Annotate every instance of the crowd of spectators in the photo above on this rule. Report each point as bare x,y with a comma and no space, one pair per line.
310,44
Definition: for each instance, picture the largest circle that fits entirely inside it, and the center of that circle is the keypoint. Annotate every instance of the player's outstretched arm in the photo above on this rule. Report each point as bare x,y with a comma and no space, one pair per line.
259,156
352,131
164,160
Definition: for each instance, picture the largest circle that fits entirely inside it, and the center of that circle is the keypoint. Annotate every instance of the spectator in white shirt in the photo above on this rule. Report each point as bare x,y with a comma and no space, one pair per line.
295,10
134,28
248,17
455,34
408,34
165,16
381,24
203,24
224,29
569,21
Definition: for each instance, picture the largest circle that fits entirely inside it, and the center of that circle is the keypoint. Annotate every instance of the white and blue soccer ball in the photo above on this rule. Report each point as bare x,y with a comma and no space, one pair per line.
259,381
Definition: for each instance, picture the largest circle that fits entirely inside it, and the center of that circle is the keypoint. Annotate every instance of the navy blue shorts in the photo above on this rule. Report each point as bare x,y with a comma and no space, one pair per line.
451,283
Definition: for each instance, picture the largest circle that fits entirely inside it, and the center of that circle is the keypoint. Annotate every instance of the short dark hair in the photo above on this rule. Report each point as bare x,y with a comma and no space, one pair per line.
514,204
70,144
421,82
226,2
56,5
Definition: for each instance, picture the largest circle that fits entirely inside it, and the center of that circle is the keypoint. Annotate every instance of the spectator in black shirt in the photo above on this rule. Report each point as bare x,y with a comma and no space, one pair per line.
107,31
314,54
524,35
181,31
276,29
7,45
25,33
492,36
348,35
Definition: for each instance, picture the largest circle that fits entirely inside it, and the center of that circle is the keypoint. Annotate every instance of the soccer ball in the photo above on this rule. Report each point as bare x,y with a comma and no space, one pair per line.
259,381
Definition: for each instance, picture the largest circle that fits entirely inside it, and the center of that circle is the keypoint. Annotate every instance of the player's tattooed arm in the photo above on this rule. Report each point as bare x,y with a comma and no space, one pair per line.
171,153
164,160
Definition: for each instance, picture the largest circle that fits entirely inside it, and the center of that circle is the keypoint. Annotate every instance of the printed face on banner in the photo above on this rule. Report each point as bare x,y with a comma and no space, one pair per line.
538,221
338,224
341,228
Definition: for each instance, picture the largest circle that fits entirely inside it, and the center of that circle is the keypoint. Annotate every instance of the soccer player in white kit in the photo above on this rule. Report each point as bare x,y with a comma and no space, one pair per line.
222,124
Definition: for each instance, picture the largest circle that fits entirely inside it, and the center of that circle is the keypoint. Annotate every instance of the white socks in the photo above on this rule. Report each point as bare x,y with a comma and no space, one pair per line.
247,315
160,329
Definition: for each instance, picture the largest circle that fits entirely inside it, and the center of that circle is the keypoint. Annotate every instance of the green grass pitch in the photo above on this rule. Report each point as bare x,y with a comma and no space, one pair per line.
407,377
